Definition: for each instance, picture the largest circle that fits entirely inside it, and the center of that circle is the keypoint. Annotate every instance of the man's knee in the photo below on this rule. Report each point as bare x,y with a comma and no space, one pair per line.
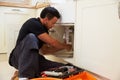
31,35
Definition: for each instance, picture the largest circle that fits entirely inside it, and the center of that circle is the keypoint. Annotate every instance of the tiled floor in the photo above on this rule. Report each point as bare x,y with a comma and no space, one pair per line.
6,71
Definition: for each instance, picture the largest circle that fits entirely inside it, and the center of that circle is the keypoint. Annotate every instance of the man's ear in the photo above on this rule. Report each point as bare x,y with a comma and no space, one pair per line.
46,19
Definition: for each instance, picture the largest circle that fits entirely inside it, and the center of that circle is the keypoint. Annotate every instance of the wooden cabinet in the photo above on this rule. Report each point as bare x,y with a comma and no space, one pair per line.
97,37
13,18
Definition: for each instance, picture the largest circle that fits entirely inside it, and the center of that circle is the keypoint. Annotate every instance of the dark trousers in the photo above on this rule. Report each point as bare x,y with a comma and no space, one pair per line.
26,58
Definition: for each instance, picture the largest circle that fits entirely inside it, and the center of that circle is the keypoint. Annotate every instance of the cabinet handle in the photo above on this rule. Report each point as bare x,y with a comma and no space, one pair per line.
16,10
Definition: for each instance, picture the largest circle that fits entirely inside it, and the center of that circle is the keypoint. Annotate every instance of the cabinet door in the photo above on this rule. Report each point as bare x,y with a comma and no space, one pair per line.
67,11
13,22
2,34
97,37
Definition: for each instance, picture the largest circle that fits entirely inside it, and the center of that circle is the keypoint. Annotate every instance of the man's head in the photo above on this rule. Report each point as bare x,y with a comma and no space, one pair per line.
49,16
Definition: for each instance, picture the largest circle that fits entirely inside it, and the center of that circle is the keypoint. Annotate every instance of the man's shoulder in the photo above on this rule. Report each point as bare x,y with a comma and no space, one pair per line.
32,19
35,20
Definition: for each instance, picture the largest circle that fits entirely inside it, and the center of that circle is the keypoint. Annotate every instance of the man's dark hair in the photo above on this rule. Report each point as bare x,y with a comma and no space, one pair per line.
50,12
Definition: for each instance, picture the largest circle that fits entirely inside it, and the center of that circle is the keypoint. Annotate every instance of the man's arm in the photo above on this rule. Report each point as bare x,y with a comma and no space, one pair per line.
53,42
46,49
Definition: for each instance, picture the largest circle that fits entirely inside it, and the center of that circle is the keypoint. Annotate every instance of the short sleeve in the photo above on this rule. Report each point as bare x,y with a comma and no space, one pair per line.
37,28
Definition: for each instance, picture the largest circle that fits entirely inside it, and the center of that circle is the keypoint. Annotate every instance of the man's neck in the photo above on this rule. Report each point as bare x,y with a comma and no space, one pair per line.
42,21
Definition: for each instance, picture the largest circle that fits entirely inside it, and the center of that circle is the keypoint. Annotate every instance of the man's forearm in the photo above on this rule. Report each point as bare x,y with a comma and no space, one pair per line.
48,49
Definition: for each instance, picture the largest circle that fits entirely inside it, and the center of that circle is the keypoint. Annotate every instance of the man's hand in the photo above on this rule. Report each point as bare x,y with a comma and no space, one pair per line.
68,47
46,49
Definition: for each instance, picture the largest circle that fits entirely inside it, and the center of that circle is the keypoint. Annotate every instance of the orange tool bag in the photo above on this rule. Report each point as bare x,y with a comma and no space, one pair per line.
81,76
70,72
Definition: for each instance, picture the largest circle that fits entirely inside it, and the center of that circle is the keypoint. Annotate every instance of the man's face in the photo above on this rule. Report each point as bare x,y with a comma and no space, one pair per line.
50,23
